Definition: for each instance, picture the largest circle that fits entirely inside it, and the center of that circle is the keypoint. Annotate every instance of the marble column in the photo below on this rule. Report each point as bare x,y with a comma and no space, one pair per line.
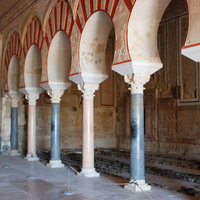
88,90
55,161
14,126
31,150
137,162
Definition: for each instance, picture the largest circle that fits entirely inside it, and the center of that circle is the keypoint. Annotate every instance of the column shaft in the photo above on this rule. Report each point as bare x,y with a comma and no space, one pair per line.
31,129
137,137
14,128
55,131
88,134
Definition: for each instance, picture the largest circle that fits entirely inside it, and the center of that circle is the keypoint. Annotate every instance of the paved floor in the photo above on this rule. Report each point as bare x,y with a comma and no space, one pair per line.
50,183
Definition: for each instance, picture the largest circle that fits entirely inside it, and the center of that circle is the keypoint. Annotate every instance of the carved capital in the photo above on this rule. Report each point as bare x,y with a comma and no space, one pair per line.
55,95
14,101
136,81
32,98
88,89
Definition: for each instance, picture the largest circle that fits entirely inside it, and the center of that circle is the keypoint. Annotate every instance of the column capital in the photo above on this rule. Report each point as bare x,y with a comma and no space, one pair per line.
136,81
88,89
32,98
55,95
14,101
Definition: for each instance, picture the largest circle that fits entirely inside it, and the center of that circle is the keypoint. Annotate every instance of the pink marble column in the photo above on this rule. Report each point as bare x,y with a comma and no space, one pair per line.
88,134
88,90
31,154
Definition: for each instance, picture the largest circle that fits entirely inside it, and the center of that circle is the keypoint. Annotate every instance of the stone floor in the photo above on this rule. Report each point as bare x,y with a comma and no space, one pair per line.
50,183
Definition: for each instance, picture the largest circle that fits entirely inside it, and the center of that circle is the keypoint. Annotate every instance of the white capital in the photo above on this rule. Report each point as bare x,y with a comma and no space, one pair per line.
55,95
88,89
14,101
32,98
136,81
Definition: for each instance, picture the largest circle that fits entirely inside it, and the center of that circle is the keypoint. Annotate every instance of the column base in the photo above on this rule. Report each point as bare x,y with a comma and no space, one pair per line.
14,153
91,173
31,157
55,164
131,186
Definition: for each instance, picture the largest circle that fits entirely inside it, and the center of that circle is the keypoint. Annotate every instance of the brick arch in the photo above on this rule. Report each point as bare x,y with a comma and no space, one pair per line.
13,48
85,8
59,18
33,35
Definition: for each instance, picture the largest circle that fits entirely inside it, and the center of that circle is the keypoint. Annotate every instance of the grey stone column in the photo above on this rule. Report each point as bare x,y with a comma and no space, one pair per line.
137,137
55,161
55,131
14,126
137,164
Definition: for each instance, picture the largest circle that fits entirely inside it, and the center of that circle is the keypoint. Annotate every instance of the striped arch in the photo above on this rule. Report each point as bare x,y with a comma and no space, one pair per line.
84,11
13,48
60,18
32,45
33,35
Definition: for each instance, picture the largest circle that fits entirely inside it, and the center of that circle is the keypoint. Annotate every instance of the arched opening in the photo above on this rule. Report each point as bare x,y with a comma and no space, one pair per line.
92,51
142,36
33,66
13,77
107,87
93,43
59,60
179,72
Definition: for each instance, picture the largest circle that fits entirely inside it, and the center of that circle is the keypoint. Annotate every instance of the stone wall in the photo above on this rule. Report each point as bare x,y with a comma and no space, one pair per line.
177,84
171,99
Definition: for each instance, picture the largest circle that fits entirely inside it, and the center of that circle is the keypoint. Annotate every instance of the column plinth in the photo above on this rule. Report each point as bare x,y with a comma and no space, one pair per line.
55,161
131,186
31,154
14,126
14,153
88,90
137,163
31,157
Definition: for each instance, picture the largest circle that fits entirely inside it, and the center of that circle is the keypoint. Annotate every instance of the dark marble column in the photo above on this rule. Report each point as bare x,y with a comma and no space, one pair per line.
137,164
137,137
14,126
55,161
55,131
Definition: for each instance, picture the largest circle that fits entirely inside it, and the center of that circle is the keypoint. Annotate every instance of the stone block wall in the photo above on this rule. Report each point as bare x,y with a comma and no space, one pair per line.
171,99
175,101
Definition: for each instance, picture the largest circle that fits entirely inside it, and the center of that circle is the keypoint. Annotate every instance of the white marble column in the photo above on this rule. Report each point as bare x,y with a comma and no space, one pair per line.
31,150
55,161
14,126
137,161
88,90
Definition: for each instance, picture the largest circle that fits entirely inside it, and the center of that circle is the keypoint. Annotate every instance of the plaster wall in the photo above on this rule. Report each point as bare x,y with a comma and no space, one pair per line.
33,67
13,77
59,58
